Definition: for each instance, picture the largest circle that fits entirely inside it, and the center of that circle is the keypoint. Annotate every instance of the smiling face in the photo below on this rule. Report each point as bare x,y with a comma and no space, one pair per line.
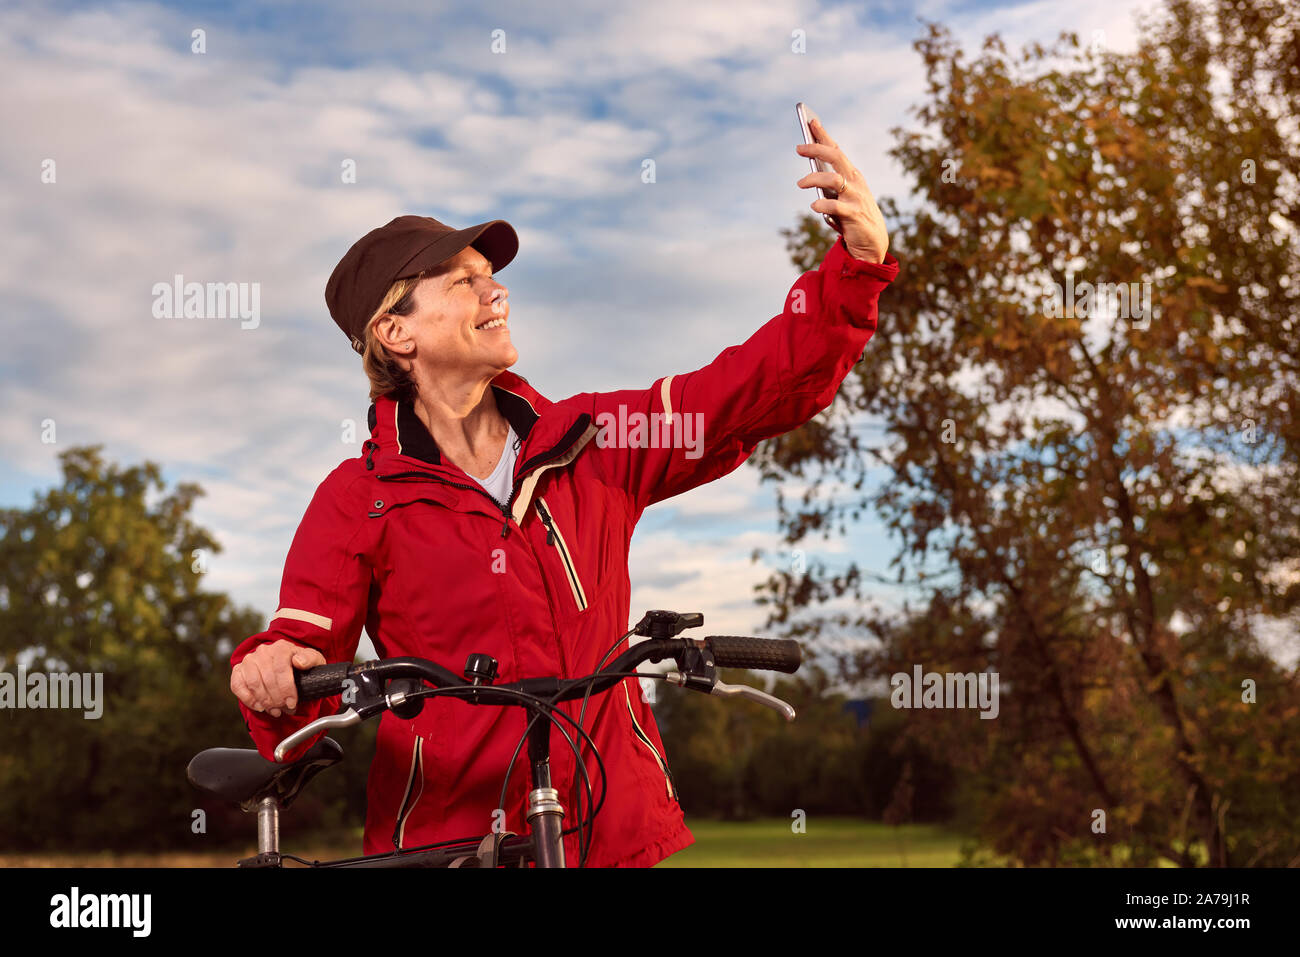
459,328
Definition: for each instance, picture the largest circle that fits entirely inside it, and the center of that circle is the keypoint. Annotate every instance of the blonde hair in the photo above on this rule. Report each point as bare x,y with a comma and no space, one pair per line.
387,377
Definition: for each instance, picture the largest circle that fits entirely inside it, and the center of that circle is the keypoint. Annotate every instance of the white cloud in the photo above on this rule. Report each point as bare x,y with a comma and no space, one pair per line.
225,167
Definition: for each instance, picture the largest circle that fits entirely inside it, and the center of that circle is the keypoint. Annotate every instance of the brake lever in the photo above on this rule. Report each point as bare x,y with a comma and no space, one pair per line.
725,690
368,699
753,694
343,719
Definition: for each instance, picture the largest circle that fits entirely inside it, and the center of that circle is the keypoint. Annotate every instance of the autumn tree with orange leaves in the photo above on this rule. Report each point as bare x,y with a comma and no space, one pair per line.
1086,376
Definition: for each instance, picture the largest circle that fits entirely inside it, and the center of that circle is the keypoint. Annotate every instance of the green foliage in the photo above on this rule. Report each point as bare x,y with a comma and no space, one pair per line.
736,760
101,575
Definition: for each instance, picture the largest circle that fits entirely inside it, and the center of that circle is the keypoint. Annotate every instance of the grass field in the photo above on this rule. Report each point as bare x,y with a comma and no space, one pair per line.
827,842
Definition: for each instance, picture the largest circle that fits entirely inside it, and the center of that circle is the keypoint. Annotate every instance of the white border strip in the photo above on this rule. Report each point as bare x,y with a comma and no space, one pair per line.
645,739
665,393
525,496
297,614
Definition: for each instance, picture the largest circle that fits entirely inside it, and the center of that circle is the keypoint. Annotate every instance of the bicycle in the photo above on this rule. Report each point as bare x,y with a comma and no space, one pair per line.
244,778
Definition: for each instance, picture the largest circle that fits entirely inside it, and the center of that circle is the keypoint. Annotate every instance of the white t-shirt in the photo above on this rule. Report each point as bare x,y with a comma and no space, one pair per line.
499,483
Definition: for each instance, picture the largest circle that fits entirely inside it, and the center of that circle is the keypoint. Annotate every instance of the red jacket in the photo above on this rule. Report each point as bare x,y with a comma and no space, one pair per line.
433,566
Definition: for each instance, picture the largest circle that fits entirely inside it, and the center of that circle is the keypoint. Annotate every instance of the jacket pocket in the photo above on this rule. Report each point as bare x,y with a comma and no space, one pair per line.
414,790
555,539
645,740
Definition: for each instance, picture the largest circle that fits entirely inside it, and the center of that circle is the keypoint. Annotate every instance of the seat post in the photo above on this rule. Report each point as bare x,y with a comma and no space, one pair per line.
268,826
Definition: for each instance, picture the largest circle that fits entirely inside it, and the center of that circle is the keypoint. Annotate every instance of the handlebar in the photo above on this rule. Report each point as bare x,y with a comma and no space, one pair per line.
697,660
756,654
724,651
320,682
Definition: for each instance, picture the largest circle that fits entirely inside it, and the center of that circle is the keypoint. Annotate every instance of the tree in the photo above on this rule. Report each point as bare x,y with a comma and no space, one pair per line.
97,578
735,759
1096,496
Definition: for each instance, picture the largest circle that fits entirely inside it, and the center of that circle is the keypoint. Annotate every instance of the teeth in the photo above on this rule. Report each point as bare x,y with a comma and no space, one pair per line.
491,325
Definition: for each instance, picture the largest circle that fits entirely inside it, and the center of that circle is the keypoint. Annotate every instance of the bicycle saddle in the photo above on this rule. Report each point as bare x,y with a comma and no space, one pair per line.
242,776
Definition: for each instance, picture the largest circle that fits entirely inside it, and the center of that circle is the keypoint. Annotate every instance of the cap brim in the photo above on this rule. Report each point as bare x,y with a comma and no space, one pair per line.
495,239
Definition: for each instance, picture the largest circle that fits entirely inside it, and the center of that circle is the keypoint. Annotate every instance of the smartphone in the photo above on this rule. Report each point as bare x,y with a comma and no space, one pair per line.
806,114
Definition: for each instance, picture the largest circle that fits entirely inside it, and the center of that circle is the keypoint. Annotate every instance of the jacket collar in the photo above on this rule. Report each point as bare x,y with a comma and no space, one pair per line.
551,435
399,431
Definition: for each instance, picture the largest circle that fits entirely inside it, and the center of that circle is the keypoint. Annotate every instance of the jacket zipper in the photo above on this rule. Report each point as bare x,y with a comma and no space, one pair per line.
645,739
566,442
404,812
553,537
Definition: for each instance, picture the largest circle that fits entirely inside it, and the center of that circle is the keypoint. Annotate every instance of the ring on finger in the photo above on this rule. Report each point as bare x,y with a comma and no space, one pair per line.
844,184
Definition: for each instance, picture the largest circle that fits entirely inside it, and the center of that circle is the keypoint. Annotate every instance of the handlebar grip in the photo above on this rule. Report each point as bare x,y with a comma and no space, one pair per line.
321,681
758,654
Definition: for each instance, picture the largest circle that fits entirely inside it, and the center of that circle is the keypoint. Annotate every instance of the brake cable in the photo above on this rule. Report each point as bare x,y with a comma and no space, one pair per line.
590,821
583,838
544,706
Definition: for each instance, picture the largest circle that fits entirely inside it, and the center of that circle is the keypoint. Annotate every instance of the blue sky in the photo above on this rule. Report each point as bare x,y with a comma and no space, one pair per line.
225,166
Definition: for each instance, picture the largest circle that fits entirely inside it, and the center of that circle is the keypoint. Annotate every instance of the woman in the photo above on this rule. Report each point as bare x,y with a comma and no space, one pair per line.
482,517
